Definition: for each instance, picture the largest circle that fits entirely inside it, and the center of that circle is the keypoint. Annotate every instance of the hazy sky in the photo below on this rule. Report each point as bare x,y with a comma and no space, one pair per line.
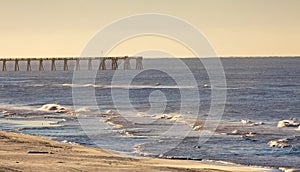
233,27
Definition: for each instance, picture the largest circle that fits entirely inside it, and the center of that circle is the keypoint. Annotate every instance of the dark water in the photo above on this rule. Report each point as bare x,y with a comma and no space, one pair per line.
258,89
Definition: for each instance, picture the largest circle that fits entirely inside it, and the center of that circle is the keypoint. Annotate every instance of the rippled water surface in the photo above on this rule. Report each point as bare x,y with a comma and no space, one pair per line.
264,90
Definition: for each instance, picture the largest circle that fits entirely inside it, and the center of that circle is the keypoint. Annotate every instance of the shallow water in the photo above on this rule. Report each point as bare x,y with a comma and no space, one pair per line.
261,90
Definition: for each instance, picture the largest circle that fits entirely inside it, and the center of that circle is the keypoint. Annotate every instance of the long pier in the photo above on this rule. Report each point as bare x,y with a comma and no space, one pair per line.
101,61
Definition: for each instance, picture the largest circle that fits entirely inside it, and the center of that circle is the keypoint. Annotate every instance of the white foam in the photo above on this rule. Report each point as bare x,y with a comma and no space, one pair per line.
83,109
111,112
93,85
156,85
16,107
142,114
194,123
70,85
289,169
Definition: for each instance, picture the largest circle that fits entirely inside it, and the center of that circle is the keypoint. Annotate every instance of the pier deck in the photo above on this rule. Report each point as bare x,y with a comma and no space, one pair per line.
101,62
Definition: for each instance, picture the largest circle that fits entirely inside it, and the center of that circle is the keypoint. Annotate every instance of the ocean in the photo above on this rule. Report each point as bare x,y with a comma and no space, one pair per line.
163,112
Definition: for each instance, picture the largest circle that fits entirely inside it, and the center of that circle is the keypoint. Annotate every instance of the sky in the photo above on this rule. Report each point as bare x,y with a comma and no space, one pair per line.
232,27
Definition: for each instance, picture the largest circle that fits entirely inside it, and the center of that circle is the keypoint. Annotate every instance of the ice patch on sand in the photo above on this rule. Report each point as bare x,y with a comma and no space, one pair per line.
251,123
287,142
83,109
288,123
56,108
171,117
30,123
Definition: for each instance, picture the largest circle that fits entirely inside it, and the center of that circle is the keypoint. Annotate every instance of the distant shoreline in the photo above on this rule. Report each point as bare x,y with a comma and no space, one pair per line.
259,57
297,56
225,57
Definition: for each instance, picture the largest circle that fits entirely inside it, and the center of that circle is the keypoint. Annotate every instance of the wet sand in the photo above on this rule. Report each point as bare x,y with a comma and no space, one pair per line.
20,152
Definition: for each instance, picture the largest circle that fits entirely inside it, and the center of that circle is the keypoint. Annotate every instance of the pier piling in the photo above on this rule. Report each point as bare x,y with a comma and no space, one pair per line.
114,63
102,65
53,67
77,67
41,66
90,66
28,65
4,65
127,64
17,65
139,64
65,64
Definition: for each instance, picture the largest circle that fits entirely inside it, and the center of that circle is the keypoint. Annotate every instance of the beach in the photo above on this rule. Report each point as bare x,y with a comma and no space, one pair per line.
150,86
20,152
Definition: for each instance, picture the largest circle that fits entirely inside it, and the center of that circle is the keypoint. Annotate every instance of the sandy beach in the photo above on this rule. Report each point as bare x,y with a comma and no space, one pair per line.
34,153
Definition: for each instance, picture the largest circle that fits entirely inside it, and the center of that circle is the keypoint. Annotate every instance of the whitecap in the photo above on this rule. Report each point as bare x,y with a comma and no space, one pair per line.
69,85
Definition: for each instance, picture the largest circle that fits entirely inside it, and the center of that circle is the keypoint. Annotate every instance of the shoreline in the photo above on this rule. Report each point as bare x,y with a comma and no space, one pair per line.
36,153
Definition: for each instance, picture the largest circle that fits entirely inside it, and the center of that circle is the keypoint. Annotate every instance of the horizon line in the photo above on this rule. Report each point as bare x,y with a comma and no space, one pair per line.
244,56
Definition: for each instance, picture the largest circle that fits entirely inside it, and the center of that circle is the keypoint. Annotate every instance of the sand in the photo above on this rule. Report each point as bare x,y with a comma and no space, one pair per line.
20,152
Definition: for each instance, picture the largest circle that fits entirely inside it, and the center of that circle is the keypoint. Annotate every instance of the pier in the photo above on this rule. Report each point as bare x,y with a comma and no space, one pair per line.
101,62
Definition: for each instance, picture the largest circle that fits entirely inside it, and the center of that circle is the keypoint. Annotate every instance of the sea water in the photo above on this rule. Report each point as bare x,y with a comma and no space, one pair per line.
264,90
